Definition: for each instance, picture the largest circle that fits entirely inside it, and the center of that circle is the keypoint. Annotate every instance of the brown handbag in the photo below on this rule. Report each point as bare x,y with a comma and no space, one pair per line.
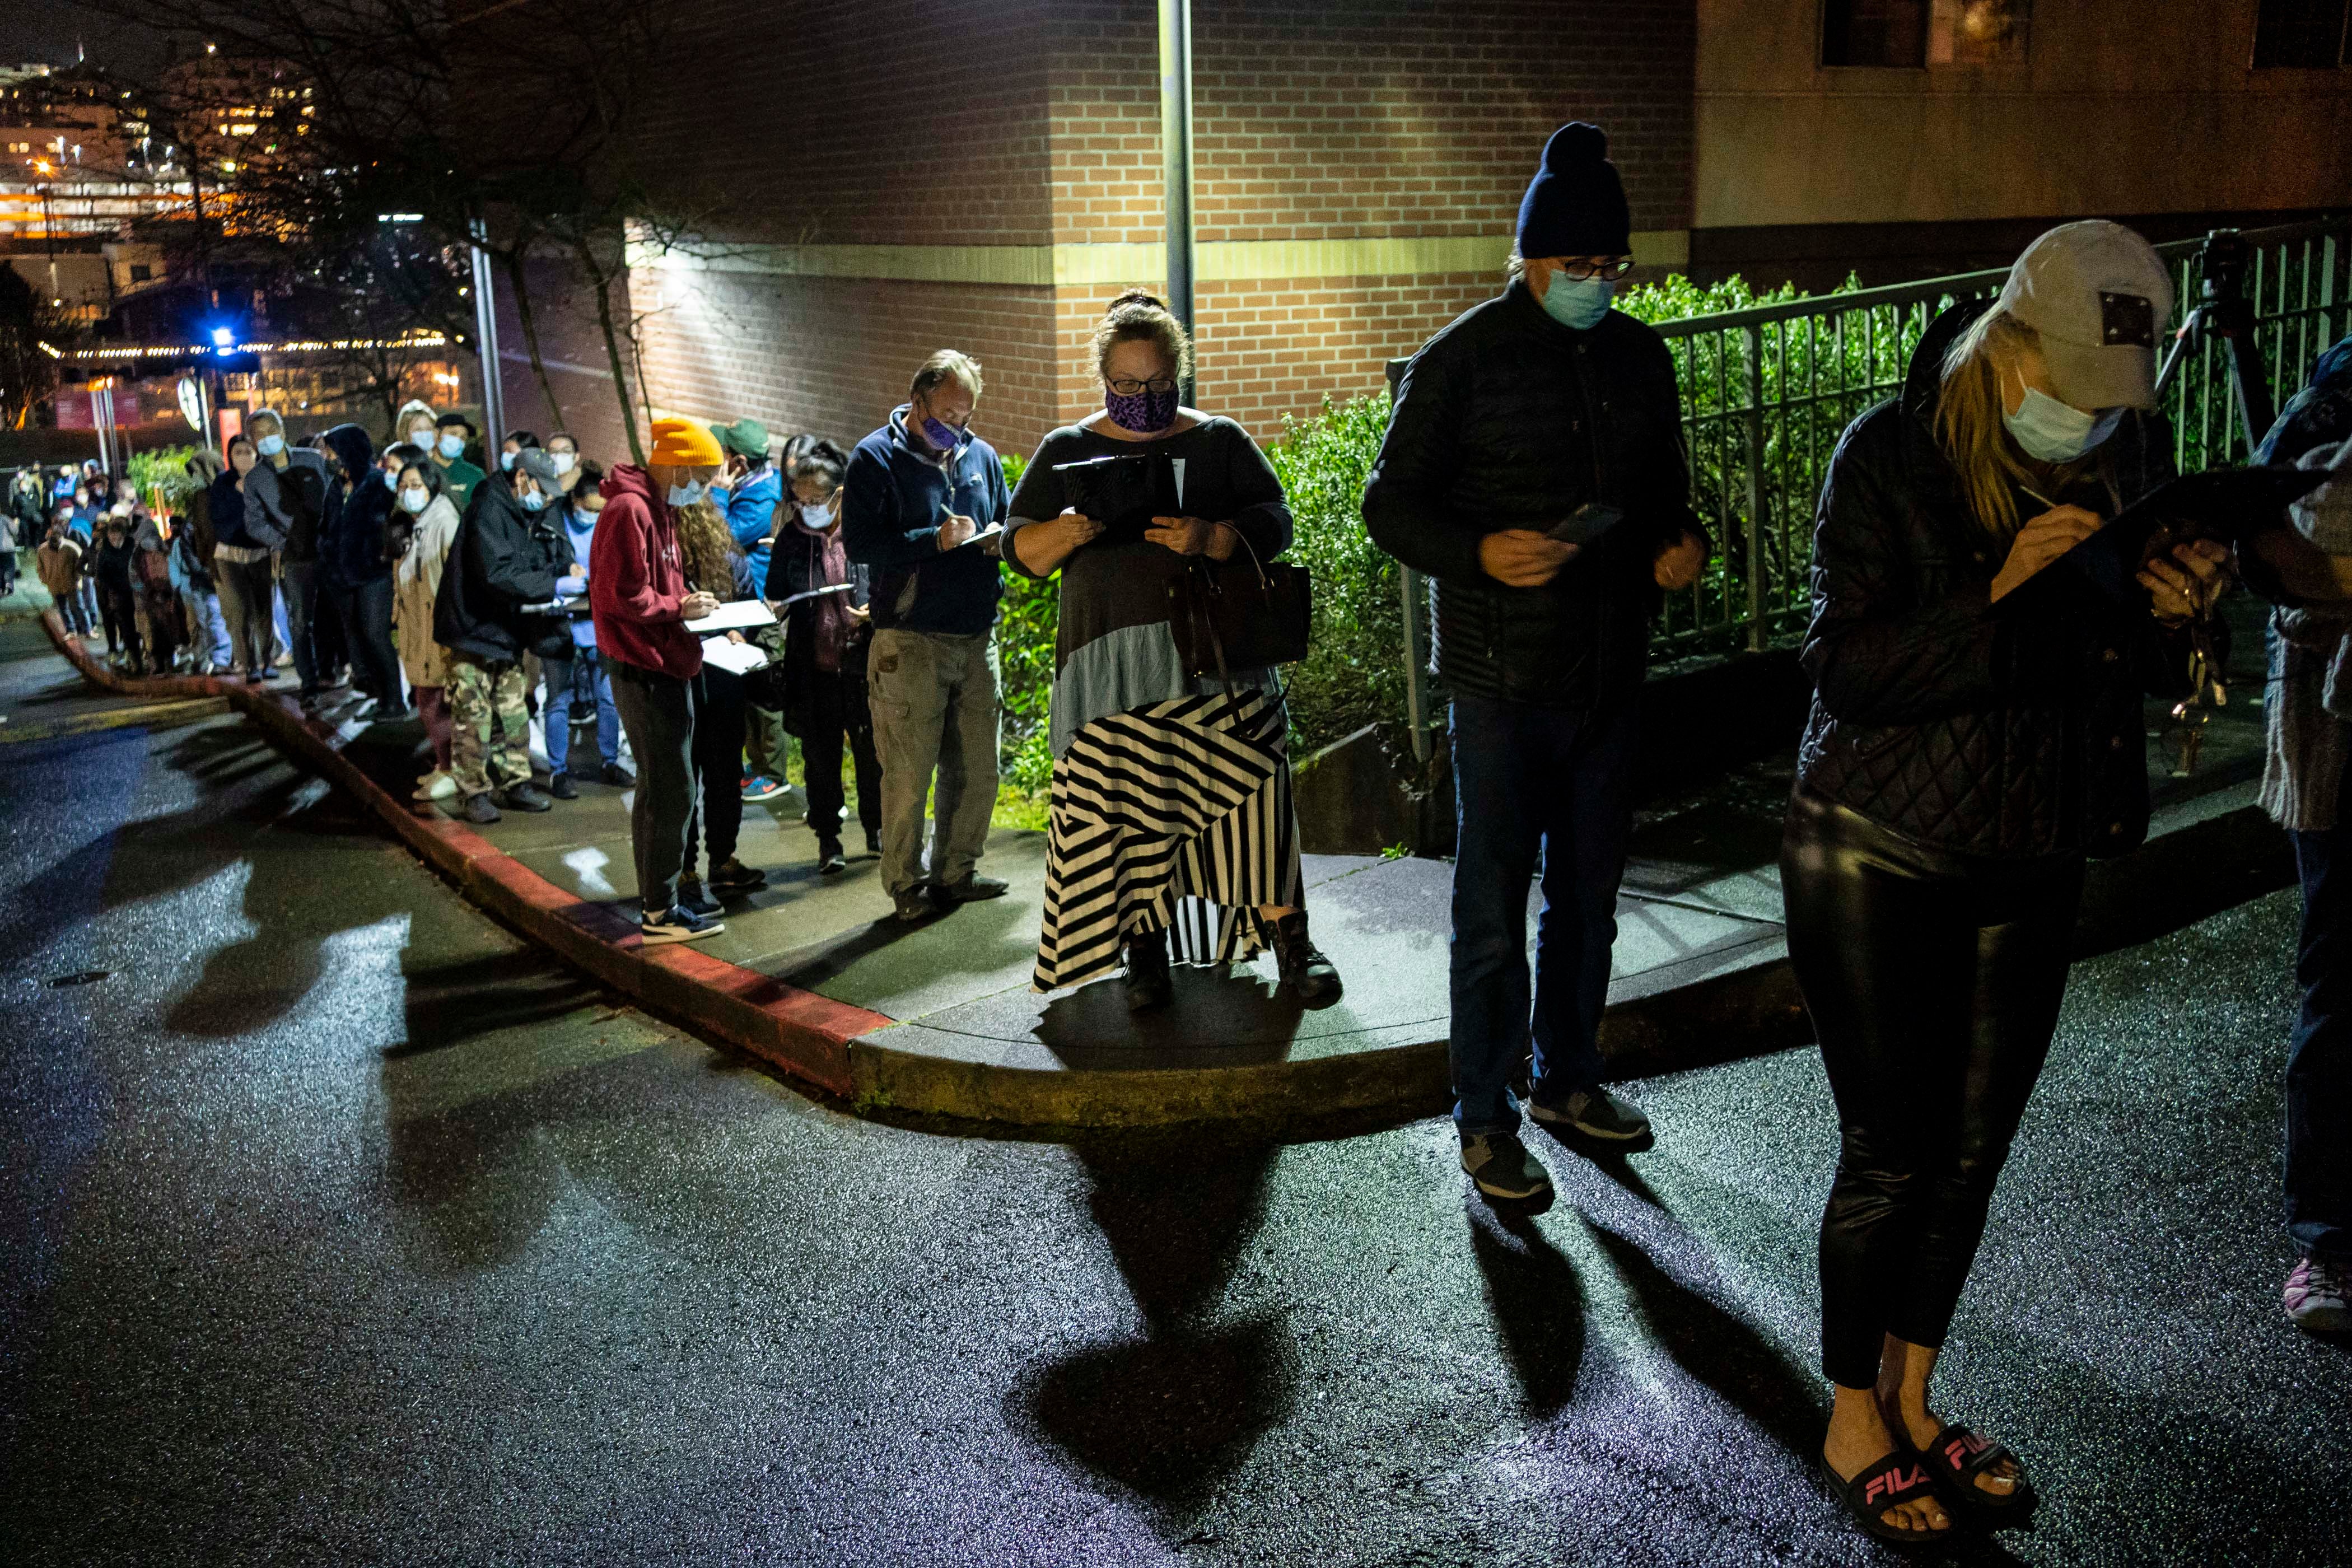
1240,615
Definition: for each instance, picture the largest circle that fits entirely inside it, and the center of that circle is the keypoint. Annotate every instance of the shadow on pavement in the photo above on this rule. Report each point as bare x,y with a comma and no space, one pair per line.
1247,1019
1169,1414
1538,1302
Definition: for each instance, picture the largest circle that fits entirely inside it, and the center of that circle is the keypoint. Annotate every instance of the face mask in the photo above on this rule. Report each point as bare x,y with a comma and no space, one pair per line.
817,516
563,461
2056,432
506,461
415,500
1578,302
1143,413
943,438
451,446
534,502
685,494
421,438
270,445
390,480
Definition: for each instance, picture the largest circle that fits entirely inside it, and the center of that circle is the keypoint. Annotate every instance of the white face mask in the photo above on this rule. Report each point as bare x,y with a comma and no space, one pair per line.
416,498
685,494
817,516
2054,432
563,461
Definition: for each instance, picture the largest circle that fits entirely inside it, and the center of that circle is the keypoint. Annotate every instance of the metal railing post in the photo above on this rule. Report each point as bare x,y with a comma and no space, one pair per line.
1755,488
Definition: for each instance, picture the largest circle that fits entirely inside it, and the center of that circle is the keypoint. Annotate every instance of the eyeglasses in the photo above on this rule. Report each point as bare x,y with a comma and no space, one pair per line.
1581,268
1162,386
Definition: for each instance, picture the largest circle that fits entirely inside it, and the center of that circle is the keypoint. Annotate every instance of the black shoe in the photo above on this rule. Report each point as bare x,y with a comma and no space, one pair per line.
1148,986
972,889
692,899
526,796
1305,973
1501,1167
559,786
1594,1113
873,841
829,857
731,876
618,776
480,808
914,904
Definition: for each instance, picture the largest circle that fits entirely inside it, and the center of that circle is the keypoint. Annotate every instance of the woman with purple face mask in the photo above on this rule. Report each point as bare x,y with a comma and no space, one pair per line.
1172,834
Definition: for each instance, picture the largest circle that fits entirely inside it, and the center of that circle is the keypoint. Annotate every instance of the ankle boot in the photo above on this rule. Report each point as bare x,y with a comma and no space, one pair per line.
1305,973
1148,986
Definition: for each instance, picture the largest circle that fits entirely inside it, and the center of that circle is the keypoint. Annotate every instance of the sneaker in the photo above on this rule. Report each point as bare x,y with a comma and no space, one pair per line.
1305,973
874,842
526,796
680,924
256,678
972,889
762,788
481,809
731,876
438,784
914,904
2319,1297
1593,1113
618,776
693,898
829,857
559,786
1501,1167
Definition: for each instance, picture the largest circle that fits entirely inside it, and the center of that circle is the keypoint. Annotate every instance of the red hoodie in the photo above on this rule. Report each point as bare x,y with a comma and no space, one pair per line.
636,582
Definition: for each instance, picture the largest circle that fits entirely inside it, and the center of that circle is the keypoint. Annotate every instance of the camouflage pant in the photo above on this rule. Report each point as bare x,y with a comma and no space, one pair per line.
491,748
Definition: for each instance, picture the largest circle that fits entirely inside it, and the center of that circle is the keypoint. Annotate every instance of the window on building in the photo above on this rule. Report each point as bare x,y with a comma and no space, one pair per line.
2299,34
141,272
1875,33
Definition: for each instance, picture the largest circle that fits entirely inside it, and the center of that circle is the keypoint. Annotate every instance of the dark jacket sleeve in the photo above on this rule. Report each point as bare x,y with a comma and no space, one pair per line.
872,530
1658,490
505,561
1875,657
1405,508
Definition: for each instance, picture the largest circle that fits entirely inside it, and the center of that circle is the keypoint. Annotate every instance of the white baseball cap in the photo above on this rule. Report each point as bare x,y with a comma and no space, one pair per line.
2100,297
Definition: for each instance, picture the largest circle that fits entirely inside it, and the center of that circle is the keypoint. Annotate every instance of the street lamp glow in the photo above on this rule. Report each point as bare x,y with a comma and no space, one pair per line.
223,337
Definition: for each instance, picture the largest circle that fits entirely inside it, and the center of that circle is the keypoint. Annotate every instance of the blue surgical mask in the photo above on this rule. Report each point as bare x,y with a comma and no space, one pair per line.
390,480
416,498
451,446
2054,432
685,494
270,445
817,516
1578,302
532,501
506,461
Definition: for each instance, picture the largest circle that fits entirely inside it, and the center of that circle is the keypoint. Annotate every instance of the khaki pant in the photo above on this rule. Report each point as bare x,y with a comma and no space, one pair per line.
935,707
764,742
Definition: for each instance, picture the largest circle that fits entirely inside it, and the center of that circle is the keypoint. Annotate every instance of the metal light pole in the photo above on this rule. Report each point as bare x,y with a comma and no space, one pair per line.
1176,155
486,343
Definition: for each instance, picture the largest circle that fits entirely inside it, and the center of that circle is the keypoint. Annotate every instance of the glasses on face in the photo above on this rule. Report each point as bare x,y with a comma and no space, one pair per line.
1159,386
1584,268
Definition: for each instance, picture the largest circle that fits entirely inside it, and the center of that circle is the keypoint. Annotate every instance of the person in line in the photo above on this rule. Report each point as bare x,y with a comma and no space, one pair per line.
118,593
564,452
1508,424
59,561
826,639
2305,572
714,565
921,490
28,520
84,521
1930,918
241,564
574,674
452,433
420,544
507,556
637,589
193,541
750,490
285,500
414,425
1173,825
354,552
516,443
158,600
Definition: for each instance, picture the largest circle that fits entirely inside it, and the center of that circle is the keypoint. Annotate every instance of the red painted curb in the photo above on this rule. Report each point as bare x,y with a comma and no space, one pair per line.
802,1033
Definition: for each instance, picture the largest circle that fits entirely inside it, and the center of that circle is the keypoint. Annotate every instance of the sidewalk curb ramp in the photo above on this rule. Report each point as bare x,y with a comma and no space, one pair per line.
2223,855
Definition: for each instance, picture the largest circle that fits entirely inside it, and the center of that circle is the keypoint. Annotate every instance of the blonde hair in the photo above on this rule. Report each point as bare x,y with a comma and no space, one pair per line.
1969,430
947,364
703,547
1140,319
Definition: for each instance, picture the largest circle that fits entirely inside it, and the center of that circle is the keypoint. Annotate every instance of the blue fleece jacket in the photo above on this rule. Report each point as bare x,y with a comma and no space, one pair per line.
751,508
896,496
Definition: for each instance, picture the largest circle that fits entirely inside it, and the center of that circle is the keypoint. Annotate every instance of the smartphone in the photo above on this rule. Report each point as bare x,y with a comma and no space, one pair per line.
1591,520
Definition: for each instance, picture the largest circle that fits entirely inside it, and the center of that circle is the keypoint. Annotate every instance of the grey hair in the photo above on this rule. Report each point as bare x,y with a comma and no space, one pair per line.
947,364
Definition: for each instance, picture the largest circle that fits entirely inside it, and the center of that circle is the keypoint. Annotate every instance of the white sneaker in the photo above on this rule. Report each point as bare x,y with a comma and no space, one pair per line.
438,784
681,924
2319,1297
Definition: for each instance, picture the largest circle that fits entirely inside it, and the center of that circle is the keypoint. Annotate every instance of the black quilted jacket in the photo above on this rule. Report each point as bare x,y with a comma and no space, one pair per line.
2012,729
1509,420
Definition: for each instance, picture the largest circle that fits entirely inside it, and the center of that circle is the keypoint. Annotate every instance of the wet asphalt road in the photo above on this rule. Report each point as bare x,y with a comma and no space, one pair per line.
340,1227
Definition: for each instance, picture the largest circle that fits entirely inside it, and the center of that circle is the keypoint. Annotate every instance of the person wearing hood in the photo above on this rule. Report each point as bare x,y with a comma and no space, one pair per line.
1541,413
116,569
508,555
355,550
573,666
639,601
451,434
27,518
1930,917
428,528
160,621
285,502
749,490
920,491
193,543
241,563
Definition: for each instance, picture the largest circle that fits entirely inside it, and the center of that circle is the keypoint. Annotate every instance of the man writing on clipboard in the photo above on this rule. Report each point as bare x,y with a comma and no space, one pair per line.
1534,469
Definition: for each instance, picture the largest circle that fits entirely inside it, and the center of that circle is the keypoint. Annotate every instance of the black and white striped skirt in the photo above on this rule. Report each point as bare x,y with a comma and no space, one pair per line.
1174,816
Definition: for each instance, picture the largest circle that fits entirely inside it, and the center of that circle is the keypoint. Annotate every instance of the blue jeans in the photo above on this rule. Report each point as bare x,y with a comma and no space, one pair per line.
1533,786
564,676
2319,1061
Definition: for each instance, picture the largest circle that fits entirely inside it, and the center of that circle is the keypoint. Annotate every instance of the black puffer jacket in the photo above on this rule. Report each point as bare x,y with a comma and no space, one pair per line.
2012,729
503,559
1509,420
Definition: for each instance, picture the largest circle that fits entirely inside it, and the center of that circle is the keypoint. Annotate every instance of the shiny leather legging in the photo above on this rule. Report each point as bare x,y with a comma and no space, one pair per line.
1934,982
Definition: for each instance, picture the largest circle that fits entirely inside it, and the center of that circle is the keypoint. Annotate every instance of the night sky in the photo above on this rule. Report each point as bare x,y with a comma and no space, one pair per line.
48,30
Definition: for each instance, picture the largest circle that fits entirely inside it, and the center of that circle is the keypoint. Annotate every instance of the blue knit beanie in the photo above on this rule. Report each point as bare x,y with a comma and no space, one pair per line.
1575,206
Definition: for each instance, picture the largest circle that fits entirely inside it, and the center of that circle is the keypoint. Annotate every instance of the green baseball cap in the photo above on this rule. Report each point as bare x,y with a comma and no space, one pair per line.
746,438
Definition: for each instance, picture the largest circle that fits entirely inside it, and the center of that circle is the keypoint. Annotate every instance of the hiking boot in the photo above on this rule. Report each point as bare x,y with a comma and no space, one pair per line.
559,786
1305,973
481,809
731,876
2319,1297
1593,1113
1149,985
1501,1167
680,924
693,900
914,904
525,796
829,857
618,776
972,889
